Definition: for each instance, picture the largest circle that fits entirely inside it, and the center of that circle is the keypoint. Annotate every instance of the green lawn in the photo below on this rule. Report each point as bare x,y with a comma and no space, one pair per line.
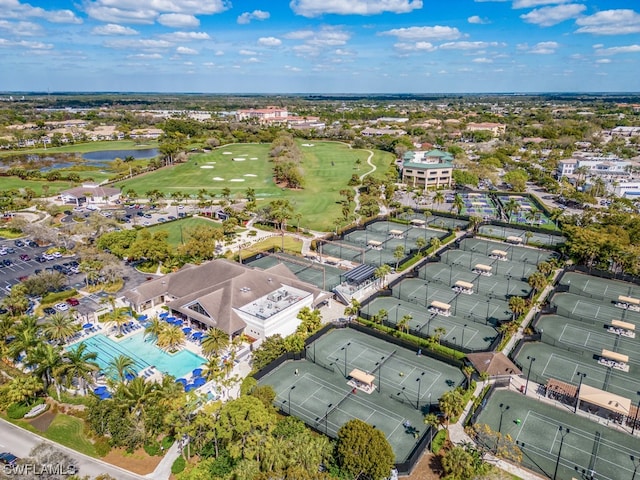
85,147
327,167
173,228
69,431
8,183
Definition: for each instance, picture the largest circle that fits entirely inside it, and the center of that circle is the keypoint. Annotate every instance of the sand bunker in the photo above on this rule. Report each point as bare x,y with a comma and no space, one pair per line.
227,153
240,159
307,145
218,179
211,163
237,180
206,166
244,155
249,175
253,158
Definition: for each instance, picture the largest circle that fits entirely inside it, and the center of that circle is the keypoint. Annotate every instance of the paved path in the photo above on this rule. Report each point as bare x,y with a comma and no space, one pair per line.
356,198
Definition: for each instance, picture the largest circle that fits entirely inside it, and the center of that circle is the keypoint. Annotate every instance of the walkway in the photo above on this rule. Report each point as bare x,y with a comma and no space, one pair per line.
356,198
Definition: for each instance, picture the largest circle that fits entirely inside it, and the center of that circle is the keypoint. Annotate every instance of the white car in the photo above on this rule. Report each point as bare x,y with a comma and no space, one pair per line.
48,256
56,254
62,307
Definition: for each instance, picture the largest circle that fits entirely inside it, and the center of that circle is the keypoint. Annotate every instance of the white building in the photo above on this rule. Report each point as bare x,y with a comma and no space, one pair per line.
90,193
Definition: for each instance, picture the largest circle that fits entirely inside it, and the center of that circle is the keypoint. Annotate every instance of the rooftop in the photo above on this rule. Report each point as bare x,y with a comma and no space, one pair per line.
274,302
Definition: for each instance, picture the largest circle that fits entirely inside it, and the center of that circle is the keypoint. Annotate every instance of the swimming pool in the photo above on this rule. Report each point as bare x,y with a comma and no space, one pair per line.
143,353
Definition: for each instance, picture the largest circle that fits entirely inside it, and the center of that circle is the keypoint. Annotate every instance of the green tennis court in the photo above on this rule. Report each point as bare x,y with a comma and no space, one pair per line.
320,395
596,287
580,307
582,449
563,364
469,259
496,231
320,275
514,252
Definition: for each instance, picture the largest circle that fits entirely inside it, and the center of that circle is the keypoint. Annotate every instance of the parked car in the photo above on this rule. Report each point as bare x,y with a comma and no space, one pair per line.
7,262
19,243
62,307
24,257
8,458
49,311
73,302
41,259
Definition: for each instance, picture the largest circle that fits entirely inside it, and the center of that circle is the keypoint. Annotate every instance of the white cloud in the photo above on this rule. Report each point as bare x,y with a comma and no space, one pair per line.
469,45
269,41
316,42
315,8
113,29
186,51
15,9
544,48
178,20
141,43
476,20
610,22
247,52
148,11
299,34
415,47
535,3
219,53
146,56
616,50
604,60
182,36
292,69
246,17
252,60
341,52
437,32
549,16
482,60
21,29
26,44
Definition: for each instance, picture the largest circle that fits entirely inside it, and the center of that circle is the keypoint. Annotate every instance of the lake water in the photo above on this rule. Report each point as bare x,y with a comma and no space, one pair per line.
46,162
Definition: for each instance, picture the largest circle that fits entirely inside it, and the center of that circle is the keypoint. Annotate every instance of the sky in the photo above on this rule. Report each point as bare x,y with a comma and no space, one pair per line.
320,46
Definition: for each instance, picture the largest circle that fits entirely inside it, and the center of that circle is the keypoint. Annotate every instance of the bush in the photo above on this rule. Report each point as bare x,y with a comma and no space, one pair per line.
56,297
19,410
438,441
178,465
102,447
152,448
252,233
167,442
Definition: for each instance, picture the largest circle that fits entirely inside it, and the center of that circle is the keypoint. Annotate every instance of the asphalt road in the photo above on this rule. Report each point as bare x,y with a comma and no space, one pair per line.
21,442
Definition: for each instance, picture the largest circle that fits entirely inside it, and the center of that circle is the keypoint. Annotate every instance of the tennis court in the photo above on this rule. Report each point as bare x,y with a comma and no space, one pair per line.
448,275
405,385
583,308
356,253
582,449
473,329
496,231
596,287
514,253
563,364
320,275
480,205
468,259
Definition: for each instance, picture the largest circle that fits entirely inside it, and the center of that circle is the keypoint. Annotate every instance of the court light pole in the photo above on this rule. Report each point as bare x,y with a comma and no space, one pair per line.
326,417
503,408
531,360
581,375
635,466
635,420
379,367
419,380
563,433
426,295
289,397
524,265
463,327
345,348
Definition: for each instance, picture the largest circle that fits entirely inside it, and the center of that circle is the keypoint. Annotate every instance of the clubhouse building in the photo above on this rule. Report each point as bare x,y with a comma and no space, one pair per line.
427,169
232,297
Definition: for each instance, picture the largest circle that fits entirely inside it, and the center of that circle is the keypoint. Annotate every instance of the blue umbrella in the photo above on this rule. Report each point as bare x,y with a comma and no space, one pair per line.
186,329
170,319
189,387
104,395
177,323
99,390
197,335
129,376
183,381
196,372
87,325
163,315
142,318
198,382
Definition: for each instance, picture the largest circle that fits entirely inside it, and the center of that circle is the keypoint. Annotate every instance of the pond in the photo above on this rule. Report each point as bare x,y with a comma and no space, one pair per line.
98,159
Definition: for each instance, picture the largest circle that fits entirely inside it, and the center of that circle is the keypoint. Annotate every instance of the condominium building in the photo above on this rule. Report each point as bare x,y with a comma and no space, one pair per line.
427,169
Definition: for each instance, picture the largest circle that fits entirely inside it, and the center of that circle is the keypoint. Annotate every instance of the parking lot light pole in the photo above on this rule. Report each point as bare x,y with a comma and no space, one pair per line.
531,360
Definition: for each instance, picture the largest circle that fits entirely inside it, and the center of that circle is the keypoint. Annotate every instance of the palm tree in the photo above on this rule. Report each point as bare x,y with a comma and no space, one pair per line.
25,340
435,244
545,268
59,327
215,342
171,338
518,306
46,361
451,404
79,365
438,198
154,328
213,368
403,324
381,272
421,242
458,203
22,389
398,254
474,223
510,208
123,367
438,333
353,309
381,315
537,281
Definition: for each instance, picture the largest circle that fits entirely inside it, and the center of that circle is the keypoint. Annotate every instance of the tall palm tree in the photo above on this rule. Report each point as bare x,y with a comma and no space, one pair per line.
79,365
46,361
59,327
171,338
25,340
435,243
381,272
215,342
517,305
154,328
403,324
123,367
438,198
458,203
213,368
510,208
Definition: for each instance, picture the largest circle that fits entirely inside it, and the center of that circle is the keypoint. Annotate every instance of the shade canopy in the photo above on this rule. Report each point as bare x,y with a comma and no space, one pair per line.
440,305
618,357
142,318
396,232
514,239
482,267
629,300
606,400
463,284
87,325
198,382
186,329
360,274
621,324
362,377
196,372
499,253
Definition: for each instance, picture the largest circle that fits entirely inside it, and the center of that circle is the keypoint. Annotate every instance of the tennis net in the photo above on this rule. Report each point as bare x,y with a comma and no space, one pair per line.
379,365
333,408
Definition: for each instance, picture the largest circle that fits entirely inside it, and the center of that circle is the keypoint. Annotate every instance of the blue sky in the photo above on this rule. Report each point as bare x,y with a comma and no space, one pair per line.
320,46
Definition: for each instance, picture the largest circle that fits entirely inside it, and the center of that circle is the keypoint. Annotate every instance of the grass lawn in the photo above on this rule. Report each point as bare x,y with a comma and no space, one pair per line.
291,245
8,183
69,431
327,167
173,228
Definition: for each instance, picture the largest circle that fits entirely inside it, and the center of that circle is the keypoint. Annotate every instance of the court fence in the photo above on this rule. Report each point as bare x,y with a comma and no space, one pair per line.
604,274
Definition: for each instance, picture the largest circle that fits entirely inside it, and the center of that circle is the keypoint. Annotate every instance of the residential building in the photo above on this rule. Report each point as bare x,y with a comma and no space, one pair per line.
378,132
90,193
496,129
427,169
232,297
566,167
